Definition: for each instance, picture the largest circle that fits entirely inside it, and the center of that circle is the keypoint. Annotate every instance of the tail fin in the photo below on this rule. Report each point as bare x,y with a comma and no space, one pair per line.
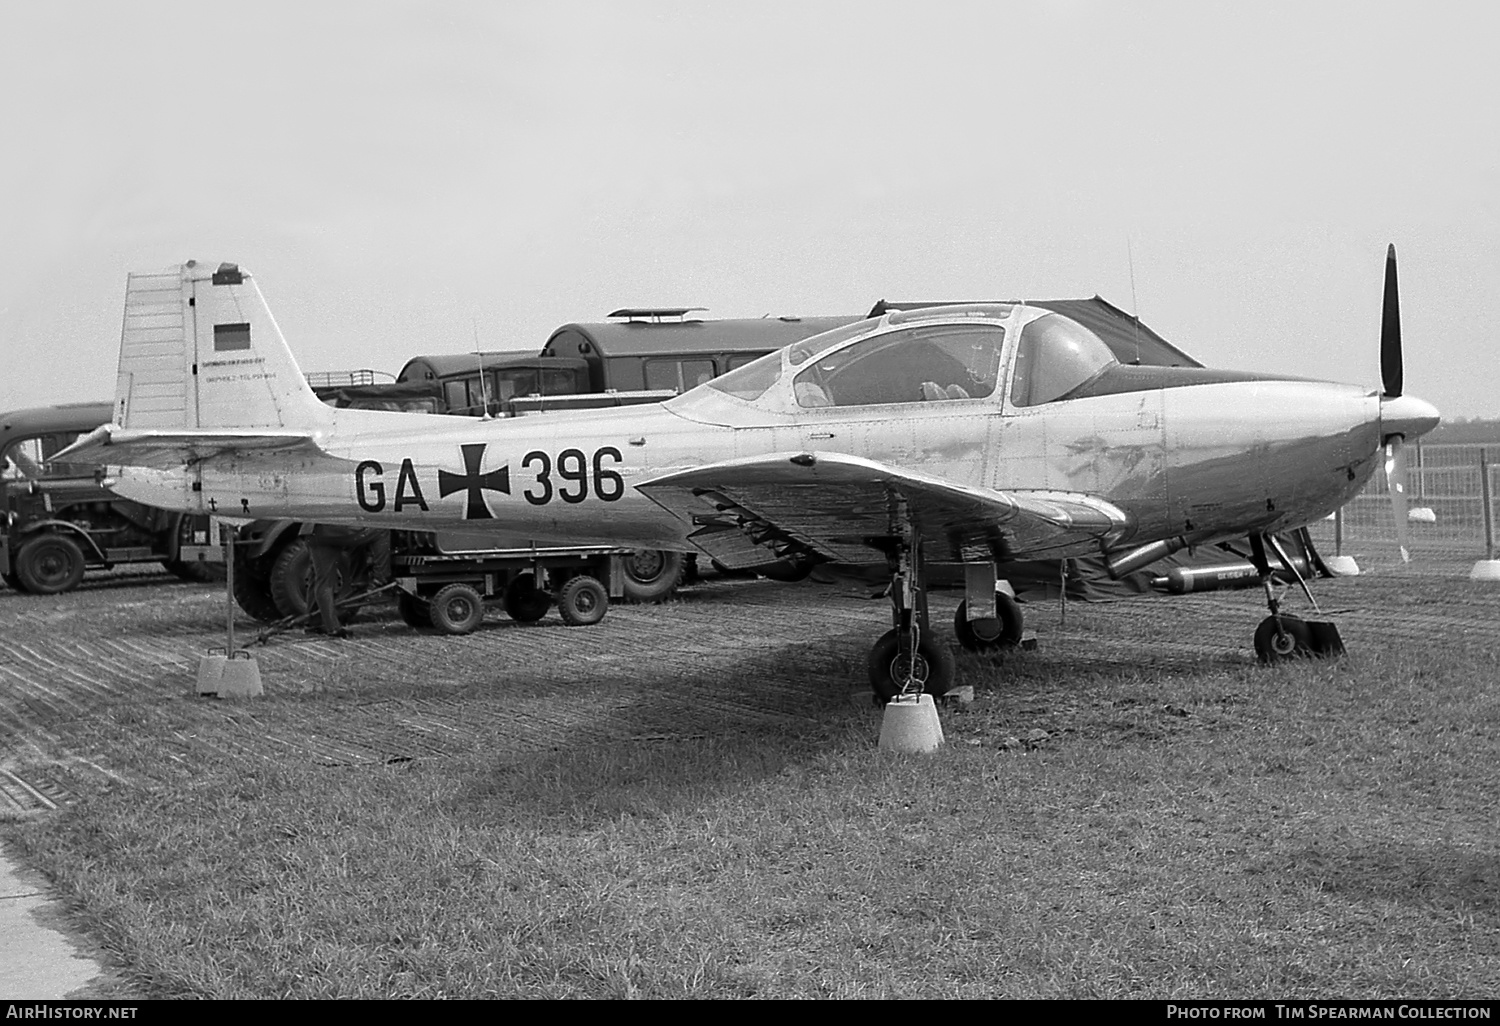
199,349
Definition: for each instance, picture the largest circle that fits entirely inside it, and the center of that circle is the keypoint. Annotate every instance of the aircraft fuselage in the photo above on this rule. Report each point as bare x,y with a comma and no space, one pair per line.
1197,460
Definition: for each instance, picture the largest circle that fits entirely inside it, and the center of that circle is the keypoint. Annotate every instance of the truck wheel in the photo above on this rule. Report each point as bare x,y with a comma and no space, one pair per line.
253,595
456,609
414,611
289,578
651,575
251,590
523,601
49,564
582,602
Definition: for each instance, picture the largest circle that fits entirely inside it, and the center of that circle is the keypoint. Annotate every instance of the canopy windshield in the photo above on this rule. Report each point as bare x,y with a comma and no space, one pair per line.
751,381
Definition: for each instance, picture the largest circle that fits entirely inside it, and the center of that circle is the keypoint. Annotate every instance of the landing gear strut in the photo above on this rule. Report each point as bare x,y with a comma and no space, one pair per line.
908,659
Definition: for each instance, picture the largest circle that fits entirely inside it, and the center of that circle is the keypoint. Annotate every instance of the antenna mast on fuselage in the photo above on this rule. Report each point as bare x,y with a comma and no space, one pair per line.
484,383
1135,307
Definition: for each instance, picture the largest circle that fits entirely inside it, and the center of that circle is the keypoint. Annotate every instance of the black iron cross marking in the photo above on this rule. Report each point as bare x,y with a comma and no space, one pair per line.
474,482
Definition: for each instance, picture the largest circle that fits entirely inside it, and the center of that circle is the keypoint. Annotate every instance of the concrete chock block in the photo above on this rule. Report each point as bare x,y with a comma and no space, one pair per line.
911,725
1486,570
1342,566
211,672
235,675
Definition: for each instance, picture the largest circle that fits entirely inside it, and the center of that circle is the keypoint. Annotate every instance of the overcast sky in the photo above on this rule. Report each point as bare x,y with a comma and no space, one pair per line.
401,177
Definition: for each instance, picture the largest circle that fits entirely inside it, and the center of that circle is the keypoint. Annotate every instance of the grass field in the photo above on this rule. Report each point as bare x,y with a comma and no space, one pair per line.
1135,810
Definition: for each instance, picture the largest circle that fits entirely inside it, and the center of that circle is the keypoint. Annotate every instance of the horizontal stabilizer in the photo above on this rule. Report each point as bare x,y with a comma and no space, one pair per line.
112,445
830,506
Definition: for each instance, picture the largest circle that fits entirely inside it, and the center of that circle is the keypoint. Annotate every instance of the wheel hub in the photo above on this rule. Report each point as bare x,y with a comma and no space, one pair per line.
645,564
917,675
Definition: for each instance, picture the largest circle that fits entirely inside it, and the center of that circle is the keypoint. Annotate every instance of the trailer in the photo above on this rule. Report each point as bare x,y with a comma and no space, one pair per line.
447,589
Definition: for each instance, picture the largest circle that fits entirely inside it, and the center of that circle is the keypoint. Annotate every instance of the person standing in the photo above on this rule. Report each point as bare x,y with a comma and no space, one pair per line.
326,545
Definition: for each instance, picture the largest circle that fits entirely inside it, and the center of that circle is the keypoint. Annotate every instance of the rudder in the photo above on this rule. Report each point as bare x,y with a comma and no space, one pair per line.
199,349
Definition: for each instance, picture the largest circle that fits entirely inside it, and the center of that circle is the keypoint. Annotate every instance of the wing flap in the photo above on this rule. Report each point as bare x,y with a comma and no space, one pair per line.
161,449
839,508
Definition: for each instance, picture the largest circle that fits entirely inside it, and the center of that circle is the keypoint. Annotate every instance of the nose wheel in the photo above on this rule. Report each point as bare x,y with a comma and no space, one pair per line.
1279,638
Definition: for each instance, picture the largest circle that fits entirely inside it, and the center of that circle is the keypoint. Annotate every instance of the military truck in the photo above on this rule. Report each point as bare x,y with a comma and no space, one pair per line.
61,521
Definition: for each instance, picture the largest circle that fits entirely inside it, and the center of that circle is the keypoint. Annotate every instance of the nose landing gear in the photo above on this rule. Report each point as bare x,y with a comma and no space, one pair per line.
1280,637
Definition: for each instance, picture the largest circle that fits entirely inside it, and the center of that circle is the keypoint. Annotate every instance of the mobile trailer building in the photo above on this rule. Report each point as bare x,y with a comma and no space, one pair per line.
472,383
668,350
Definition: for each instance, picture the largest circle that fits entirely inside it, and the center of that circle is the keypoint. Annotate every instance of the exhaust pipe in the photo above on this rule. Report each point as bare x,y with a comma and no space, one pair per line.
1127,562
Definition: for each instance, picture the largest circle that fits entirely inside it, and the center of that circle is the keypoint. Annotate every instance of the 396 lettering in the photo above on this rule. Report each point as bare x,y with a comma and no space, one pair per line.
571,467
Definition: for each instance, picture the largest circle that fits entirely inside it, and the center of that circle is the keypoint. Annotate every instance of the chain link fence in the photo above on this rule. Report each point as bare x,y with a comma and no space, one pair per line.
1445,479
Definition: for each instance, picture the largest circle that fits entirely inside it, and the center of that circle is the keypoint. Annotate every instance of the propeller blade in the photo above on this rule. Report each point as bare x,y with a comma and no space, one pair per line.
1390,330
1395,479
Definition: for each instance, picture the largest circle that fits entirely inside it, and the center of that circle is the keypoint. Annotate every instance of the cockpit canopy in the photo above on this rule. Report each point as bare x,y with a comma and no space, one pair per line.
933,355
1055,356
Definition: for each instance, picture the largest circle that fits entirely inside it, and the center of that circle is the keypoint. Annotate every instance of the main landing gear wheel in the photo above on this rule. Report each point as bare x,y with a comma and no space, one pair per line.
456,609
1279,638
991,633
414,611
524,602
582,602
50,564
933,667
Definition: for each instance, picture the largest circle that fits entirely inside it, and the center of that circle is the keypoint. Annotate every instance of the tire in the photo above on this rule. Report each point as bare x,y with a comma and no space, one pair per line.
291,576
1290,640
253,594
290,573
582,602
652,574
989,634
251,589
456,609
50,564
935,667
415,611
523,602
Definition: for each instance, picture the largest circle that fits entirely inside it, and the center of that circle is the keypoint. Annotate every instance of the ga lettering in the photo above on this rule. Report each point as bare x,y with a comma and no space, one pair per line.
369,487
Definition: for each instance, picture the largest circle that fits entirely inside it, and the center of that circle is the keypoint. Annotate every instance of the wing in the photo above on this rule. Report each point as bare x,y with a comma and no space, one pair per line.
830,507
112,445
